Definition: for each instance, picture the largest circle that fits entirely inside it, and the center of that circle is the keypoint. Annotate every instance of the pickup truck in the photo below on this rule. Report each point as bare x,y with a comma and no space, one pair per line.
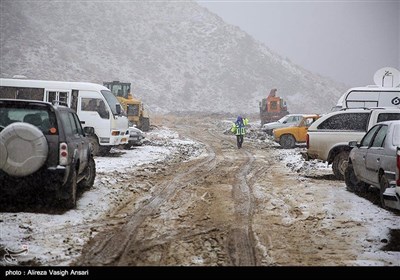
329,136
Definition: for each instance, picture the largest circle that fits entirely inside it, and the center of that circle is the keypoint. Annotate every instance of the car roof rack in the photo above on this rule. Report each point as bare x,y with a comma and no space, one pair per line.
355,108
365,108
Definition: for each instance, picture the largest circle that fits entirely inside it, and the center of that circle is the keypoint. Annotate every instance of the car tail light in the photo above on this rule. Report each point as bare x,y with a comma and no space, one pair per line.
308,141
63,154
398,167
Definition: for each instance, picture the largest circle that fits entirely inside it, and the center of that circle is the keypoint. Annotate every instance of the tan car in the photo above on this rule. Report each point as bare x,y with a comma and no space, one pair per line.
287,137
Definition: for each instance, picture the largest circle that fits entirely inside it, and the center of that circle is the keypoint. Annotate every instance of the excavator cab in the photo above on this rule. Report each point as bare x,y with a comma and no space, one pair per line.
119,89
133,107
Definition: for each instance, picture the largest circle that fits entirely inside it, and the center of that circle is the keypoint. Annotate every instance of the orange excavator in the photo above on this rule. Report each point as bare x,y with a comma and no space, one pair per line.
272,108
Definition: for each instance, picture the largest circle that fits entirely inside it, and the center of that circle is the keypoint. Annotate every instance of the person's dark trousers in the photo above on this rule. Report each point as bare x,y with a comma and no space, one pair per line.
239,139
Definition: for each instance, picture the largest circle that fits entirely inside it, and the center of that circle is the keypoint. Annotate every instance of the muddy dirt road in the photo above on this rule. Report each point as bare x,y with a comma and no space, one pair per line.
237,207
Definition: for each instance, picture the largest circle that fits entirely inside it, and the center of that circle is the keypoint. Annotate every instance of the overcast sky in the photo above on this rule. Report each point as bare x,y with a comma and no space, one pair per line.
344,40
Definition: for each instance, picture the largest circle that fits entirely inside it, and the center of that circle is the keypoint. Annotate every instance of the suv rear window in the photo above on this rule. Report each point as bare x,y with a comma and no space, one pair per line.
36,115
388,117
348,121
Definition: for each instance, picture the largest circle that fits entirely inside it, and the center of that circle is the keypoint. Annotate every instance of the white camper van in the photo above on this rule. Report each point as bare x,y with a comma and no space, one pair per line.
370,96
95,105
385,92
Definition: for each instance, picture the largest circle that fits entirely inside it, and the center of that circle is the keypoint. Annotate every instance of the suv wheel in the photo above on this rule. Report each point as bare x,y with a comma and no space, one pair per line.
287,141
384,184
70,201
90,174
339,164
353,184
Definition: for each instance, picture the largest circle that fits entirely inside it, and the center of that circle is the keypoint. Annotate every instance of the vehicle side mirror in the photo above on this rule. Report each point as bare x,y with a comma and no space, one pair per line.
118,108
89,130
284,121
353,144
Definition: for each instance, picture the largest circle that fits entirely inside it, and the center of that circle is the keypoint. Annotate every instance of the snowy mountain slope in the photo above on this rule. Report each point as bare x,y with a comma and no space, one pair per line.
177,55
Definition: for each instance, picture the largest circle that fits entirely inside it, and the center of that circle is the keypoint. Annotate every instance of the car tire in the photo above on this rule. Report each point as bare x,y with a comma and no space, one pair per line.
339,164
383,184
23,149
287,141
70,201
90,174
353,184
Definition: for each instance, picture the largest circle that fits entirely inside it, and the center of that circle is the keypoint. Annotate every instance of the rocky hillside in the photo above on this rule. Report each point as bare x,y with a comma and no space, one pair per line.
178,56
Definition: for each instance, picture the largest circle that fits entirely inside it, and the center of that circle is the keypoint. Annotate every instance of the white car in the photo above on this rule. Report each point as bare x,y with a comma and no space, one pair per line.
136,137
288,120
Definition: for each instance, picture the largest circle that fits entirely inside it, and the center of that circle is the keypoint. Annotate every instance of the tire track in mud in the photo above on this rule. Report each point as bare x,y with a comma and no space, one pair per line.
241,236
120,245
112,249
241,240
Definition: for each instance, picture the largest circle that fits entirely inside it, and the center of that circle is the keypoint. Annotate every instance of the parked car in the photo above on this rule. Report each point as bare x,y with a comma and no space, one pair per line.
373,160
328,137
288,120
391,196
43,146
287,137
135,137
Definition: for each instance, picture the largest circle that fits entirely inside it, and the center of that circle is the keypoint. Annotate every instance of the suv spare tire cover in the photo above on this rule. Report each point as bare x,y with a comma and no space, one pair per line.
23,149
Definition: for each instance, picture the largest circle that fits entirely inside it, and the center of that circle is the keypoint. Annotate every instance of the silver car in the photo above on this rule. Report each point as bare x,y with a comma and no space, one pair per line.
135,137
288,120
373,161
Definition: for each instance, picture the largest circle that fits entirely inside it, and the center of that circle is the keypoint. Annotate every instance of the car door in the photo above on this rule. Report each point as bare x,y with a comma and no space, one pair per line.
301,135
82,142
359,165
375,154
74,140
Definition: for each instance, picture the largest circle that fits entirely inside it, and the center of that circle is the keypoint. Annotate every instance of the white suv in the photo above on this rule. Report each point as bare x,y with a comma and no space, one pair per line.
329,136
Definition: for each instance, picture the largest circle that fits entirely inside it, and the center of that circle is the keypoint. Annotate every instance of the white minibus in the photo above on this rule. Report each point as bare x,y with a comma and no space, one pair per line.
95,105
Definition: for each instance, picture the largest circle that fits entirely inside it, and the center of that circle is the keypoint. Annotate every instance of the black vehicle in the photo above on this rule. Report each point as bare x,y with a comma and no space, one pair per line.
43,146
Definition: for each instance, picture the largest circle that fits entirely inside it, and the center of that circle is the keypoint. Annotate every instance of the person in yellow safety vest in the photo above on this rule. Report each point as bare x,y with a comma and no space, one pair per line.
239,128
